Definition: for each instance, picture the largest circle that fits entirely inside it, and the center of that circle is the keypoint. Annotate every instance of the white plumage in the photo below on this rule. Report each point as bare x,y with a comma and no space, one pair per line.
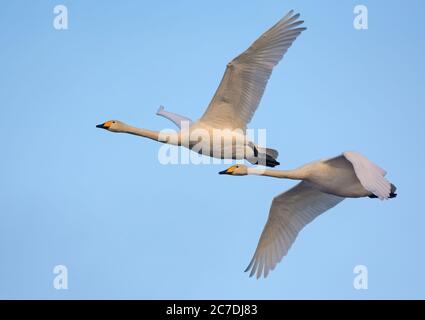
289,213
177,119
369,174
324,184
246,76
236,99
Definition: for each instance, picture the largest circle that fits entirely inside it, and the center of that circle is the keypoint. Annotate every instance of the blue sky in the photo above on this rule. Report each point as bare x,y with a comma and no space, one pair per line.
128,227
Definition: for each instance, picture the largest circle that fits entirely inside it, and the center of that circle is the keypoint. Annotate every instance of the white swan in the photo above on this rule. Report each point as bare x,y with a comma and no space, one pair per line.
235,100
324,184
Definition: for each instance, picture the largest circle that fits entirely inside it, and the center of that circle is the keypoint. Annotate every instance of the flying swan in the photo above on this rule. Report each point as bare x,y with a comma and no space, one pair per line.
233,104
324,184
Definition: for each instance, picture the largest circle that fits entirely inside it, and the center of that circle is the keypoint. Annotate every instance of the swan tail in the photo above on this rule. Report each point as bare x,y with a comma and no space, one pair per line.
271,162
393,190
264,160
272,153
266,156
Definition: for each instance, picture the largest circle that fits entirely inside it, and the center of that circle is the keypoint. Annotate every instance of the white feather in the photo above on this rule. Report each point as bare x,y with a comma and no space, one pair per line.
246,76
290,212
174,117
369,174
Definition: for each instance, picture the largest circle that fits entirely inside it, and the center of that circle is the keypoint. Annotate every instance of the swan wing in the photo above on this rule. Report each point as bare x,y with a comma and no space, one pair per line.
177,119
371,176
246,76
289,213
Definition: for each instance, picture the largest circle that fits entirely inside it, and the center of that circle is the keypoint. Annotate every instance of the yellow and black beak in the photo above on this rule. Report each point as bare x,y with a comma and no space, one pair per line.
228,170
104,125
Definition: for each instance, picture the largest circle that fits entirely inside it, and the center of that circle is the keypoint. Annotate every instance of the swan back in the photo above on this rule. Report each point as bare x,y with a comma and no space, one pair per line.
363,171
371,176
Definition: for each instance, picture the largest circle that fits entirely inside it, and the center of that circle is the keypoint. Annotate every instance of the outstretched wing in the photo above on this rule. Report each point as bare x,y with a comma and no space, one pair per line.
246,76
289,213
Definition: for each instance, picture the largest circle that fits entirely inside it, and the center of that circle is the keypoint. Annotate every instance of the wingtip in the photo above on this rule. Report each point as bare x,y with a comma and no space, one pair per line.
249,265
252,272
161,108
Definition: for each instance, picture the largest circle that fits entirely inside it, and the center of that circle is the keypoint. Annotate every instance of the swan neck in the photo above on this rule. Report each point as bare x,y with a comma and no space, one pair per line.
154,135
282,174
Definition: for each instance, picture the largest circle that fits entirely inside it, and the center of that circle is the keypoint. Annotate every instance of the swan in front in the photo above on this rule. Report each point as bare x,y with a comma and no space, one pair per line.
324,184
234,103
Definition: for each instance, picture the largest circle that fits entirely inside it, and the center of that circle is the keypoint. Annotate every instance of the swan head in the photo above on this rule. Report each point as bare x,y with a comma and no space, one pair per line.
112,125
236,170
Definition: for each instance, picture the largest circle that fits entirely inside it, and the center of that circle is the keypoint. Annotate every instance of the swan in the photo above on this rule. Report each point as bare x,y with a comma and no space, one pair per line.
234,103
324,184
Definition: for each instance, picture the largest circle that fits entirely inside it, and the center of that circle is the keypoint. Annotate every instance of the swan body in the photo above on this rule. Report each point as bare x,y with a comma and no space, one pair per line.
203,138
338,176
323,185
235,100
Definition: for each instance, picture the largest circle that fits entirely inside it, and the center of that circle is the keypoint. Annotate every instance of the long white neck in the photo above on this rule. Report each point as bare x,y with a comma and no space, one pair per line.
154,135
296,174
172,137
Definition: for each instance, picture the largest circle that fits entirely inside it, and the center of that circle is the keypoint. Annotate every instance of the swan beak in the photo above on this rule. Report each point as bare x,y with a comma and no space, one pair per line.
228,170
104,125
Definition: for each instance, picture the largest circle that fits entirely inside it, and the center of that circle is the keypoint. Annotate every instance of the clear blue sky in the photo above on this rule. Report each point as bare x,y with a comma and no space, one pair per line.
128,227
